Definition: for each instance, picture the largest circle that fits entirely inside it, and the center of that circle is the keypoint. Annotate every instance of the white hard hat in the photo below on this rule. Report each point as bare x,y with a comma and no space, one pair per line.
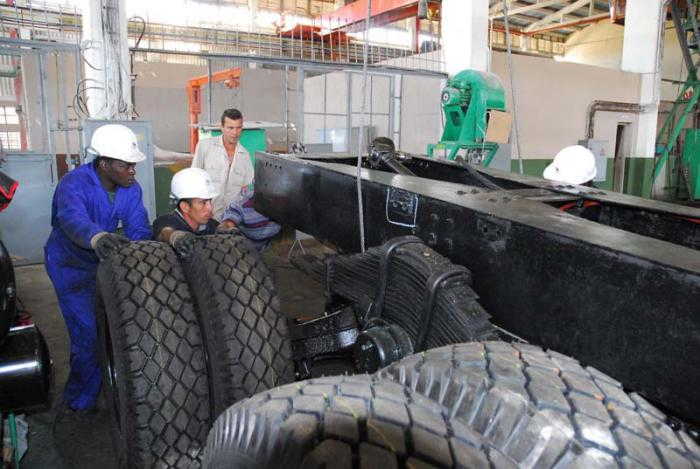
572,165
116,141
192,183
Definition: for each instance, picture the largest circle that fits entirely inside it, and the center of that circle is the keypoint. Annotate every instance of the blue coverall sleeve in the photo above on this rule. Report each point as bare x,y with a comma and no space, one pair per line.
72,216
136,226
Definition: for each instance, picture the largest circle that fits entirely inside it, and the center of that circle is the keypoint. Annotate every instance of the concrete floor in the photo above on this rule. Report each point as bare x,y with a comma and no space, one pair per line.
86,443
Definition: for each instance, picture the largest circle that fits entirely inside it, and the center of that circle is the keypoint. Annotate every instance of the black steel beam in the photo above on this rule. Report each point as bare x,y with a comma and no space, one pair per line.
674,223
623,303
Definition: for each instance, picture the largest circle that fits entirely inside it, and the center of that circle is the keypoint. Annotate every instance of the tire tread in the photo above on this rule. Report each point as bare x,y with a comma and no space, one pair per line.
157,346
543,408
246,334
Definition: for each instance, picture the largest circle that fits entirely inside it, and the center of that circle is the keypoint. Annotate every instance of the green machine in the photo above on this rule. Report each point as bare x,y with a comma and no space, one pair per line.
466,102
690,162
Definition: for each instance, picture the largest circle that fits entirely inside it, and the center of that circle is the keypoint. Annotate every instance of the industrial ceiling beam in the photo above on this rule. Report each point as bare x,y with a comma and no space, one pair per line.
534,6
556,15
498,6
567,25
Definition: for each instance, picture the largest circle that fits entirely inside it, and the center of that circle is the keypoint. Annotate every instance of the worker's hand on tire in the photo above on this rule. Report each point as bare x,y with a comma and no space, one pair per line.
226,228
105,244
182,242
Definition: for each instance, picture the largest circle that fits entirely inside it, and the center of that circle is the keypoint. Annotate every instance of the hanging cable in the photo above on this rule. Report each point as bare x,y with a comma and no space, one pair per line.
361,145
143,29
512,87
132,75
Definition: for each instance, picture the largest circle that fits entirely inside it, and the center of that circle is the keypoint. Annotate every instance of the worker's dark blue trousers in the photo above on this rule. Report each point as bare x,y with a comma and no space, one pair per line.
75,290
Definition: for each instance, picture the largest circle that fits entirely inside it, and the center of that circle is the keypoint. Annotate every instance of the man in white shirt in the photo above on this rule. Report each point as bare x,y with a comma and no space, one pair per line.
226,161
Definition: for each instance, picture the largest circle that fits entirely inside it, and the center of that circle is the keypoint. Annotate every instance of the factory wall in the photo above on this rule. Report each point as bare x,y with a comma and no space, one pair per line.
326,103
59,95
553,102
161,98
600,45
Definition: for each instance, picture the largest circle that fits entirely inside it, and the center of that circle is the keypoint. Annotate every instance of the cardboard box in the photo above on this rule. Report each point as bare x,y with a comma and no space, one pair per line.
498,127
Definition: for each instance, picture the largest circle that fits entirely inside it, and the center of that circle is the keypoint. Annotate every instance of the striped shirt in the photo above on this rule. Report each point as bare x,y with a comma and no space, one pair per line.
255,226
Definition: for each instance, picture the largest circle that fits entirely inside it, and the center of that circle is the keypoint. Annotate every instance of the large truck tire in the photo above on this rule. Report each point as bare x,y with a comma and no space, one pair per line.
8,305
343,422
154,363
542,408
245,333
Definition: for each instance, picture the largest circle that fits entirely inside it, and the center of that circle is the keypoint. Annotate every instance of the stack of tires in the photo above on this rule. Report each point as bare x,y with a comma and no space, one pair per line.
182,340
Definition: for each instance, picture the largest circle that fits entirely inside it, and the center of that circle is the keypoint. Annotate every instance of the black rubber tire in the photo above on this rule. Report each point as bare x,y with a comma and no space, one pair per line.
8,301
543,409
246,335
154,365
343,422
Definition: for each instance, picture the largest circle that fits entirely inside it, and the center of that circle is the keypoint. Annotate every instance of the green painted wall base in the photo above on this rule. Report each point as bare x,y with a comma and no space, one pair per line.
637,174
252,140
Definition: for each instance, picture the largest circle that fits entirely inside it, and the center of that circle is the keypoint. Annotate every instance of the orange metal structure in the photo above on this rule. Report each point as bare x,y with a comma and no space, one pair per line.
314,33
331,41
351,17
230,77
382,12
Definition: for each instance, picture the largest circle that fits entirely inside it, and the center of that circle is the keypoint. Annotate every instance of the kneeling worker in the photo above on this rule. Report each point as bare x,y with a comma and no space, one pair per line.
192,189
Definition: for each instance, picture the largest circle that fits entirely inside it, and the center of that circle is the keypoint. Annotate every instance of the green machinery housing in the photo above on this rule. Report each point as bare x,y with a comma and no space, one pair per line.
690,162
466,101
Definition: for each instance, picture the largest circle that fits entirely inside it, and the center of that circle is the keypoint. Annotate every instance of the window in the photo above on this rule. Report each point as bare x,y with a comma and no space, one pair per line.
8,115
9,128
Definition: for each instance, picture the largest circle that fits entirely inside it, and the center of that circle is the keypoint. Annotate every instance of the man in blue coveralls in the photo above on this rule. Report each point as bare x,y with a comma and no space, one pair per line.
96,208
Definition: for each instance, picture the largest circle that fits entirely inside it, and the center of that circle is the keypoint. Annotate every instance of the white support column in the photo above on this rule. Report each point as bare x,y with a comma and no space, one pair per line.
105,48
465,35
641,53
253,7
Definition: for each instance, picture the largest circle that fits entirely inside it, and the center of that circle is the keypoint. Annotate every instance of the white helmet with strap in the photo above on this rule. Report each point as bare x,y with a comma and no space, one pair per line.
116,141
572,165
192,183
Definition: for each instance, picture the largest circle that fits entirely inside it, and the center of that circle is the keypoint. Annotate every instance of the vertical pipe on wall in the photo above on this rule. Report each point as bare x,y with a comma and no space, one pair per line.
286,107
43,78
390,116
396,109
78,75
325,107
301,138
61,105
348,109
210,90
